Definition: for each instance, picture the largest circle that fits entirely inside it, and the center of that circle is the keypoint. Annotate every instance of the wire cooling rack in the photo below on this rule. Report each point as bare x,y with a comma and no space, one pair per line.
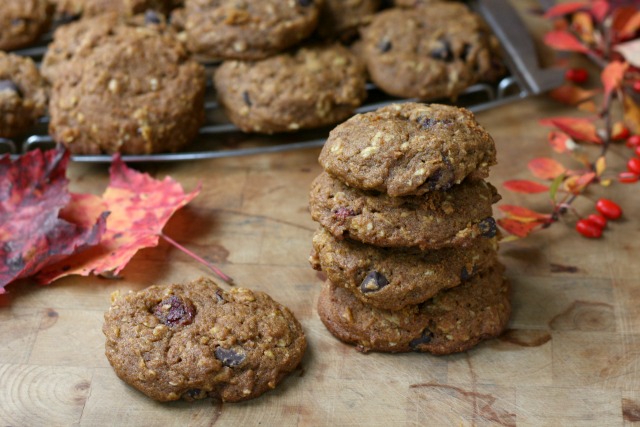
219,138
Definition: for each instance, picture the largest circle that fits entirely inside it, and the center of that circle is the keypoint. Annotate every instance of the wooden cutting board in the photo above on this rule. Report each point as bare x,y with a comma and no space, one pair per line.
569,358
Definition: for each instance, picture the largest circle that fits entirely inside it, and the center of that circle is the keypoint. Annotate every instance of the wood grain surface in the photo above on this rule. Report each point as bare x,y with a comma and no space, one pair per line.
571,355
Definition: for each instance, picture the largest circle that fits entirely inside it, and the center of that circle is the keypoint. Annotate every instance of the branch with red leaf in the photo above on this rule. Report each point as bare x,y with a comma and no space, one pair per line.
607,32
47,233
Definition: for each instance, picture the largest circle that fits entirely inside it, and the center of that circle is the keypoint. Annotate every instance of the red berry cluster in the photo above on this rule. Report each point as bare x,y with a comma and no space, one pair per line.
633,165
593,225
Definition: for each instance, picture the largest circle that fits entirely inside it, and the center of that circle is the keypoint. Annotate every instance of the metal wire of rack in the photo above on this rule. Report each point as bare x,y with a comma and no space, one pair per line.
218,138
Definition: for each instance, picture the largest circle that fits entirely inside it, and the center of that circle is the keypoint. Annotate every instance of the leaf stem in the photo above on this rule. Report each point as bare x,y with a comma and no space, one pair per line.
198,258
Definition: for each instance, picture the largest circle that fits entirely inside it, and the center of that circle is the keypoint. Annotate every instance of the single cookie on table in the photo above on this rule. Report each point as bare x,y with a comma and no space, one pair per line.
430,52
342,18
136,91
193,341
231,29
454,320
23,21
23,94
395,278
72,8
436,220
306,88
409,149
82,36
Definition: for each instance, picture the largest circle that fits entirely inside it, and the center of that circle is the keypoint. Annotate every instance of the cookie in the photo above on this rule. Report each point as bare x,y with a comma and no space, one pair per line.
454,320
232,29
342,18
193,341
23,94
409,149
307,88
136,91
416,3
23,21
395,278
82,36
433,221
72,8
429,52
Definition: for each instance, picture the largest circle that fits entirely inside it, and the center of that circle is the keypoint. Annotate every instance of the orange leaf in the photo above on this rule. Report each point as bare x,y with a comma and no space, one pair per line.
558,141
601,165
140,206
631,26
575,184
525,186
562,40
517,228
577,128
632,114
564,9
522,214
622,15
630,51
570,94
546,168
612,76
583,25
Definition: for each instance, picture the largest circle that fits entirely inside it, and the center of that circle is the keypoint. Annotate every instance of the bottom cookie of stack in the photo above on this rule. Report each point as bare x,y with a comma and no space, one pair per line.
454,320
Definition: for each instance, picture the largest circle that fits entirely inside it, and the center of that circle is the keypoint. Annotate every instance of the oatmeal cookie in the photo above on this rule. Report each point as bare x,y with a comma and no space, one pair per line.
193,341
430,52
23,21
232,29
409,149
136,91
395,278
311,87
23,94
454,320
436,220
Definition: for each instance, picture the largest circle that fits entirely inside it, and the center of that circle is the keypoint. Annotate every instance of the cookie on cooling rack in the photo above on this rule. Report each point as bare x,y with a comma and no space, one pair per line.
395,278
307,88
435,220
429,52
23,21
409,149
454,320
71,8
341,19
231,29
195,340
23,94
134,91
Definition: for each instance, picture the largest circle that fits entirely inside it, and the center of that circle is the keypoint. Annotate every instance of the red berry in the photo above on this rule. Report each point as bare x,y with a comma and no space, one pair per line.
633,165
576,75
622,133
638,151
633,141
588,229
628,177
598,220
609,209
636,85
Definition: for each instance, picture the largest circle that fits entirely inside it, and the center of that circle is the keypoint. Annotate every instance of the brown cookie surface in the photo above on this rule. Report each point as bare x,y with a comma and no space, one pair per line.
435,220
231,29
454,320
23,94
135,90
395,278
72,8
342,18
195,341
429,52
23,21
310,87
409,149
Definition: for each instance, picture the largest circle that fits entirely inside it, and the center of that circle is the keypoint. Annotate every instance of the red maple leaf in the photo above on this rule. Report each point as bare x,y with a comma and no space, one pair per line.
34,232
525,186
140,206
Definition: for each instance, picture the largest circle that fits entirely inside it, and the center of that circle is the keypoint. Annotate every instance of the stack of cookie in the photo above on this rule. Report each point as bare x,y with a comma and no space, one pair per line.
407,240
